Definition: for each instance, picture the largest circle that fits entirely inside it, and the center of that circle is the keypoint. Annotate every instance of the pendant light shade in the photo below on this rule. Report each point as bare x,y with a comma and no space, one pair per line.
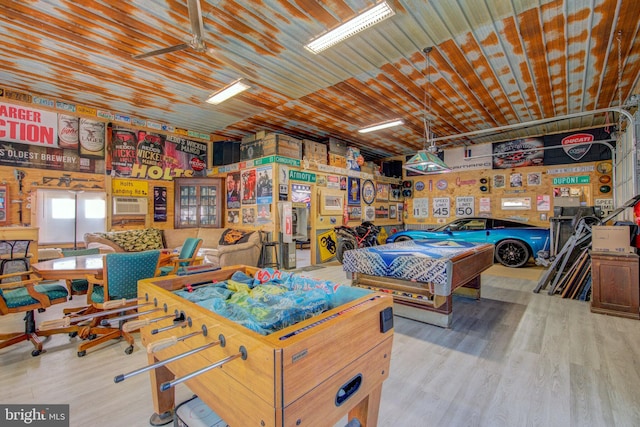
425,162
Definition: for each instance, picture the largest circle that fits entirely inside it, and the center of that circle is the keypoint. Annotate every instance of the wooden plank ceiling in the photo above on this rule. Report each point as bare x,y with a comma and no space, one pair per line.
494,63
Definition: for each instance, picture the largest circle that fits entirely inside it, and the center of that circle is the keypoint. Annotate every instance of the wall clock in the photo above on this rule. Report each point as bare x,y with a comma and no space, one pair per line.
368,192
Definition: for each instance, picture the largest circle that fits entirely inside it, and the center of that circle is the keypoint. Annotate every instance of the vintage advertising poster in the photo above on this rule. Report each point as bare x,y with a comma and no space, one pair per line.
518,153
477,156
33,138
249,215
534,178
248,187
382,192
265,184
160,204
485,204
233,217
148,155
233,184
353,193
264,213
185,154
543,202
576,147
333,181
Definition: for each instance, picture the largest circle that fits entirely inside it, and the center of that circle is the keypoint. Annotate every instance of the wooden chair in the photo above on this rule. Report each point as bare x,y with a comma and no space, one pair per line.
188,255
78,286
117,290
21,293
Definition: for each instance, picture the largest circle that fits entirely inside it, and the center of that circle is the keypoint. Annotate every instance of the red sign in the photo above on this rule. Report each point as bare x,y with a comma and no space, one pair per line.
576,153
197,164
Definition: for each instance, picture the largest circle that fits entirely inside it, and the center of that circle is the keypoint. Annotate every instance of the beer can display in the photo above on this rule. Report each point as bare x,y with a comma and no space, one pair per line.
123,152
92,137
68,131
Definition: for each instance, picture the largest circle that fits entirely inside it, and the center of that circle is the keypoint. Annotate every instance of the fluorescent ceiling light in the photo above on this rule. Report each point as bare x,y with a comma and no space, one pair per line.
425,162
366,19
379,126
227,92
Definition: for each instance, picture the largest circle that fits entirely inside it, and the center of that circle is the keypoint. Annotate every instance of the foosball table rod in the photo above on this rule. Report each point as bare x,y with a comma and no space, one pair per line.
137,324
122,377
242,353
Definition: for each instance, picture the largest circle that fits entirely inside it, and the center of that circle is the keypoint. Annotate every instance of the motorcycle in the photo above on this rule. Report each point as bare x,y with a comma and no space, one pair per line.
361,236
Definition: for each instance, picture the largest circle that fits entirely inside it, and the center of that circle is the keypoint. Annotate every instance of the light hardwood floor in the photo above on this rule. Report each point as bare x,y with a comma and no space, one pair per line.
514,358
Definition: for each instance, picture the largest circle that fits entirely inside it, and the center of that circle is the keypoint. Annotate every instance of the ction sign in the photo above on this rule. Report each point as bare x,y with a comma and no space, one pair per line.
302,176
572,180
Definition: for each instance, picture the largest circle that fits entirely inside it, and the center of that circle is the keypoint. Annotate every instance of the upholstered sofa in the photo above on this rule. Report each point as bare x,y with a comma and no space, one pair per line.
245,251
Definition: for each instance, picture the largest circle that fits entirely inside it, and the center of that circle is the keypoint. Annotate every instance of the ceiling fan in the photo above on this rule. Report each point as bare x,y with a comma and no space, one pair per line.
196,43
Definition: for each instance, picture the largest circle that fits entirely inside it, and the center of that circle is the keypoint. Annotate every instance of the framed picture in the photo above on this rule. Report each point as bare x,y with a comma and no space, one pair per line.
353,193
515,180
394,192
498,181
355,212
382,192
534,178
392,211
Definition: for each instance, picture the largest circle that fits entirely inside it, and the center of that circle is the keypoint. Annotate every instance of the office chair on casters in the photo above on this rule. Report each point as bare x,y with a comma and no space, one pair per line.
20,293
187,257
117,291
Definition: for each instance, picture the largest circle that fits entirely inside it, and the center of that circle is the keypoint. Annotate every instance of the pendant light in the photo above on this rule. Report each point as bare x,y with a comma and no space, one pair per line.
426,161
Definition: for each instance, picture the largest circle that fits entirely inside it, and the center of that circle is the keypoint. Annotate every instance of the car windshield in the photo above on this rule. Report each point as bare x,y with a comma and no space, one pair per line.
464,224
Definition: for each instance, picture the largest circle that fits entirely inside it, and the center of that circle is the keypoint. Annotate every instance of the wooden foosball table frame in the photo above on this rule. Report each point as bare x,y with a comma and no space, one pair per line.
309,374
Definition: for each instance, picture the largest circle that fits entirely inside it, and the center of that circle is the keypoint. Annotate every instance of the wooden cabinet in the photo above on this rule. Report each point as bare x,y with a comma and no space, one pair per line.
615,284
198,203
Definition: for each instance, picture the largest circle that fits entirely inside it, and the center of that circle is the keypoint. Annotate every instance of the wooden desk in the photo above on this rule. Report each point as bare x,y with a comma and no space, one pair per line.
76,267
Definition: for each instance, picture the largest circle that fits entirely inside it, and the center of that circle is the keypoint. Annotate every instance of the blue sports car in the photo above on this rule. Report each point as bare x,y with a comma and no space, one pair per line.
515,242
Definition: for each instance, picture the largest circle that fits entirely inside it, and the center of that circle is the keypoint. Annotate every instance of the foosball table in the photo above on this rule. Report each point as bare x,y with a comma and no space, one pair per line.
311,373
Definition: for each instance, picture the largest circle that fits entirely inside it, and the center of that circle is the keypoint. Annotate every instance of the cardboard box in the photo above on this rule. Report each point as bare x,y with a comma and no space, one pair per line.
337,146
272,144
337,161
616,238
315,151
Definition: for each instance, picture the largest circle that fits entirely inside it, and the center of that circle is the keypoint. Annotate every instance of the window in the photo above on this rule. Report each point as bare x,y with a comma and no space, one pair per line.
56,214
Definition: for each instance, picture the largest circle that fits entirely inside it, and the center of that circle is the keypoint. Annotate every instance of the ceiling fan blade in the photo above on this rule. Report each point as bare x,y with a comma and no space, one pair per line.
195,17
182,46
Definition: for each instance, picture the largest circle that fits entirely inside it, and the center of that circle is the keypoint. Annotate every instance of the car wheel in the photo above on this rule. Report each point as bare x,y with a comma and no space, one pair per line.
402,239
343,246
512,253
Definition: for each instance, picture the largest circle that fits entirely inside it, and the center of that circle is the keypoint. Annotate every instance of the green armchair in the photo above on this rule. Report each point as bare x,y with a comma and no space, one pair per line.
19,293
187,257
